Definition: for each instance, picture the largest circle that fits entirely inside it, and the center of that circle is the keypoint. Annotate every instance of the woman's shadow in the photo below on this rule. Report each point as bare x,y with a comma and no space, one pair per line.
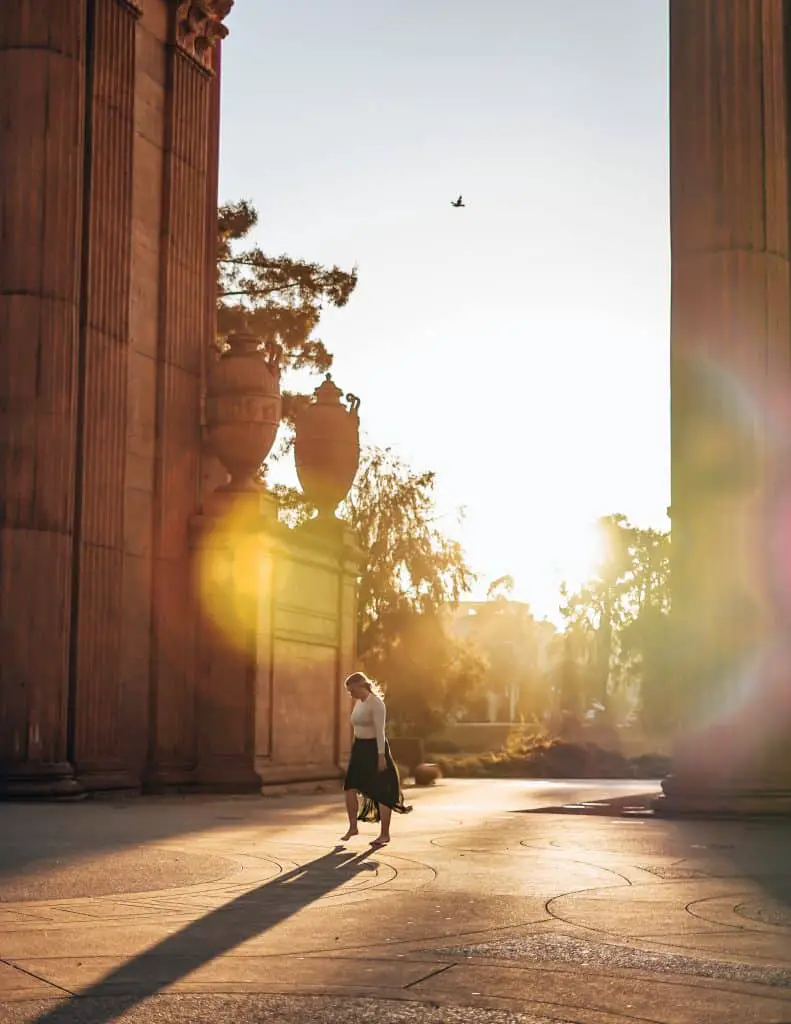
212,936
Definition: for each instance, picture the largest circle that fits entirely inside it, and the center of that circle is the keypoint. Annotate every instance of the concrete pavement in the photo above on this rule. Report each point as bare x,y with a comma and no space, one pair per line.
494,903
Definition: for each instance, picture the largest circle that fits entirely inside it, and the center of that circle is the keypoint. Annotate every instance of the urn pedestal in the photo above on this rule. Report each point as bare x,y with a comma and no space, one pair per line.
231,556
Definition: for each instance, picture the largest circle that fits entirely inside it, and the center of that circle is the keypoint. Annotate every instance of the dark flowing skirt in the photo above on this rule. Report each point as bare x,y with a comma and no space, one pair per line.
374,787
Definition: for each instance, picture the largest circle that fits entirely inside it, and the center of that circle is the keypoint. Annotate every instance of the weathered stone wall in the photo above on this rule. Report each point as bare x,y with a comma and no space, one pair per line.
312,651
277,618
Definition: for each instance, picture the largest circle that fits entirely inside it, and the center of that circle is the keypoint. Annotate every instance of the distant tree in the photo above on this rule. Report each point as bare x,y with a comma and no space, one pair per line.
619,621
597,608
413,573
574,669
412,563
430,674
502,587
569,668
279,298
514,645
646,643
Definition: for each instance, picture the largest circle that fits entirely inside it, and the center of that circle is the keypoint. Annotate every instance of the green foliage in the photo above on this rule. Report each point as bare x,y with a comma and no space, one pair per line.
276,297
412,564
514,646
429,674
645,639
617,641
545,758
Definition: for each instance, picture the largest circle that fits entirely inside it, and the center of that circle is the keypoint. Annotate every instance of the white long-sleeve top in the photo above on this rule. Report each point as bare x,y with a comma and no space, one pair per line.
368,720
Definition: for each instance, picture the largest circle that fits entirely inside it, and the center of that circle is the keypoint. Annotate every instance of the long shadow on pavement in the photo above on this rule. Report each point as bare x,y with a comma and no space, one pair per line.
214,935
41,841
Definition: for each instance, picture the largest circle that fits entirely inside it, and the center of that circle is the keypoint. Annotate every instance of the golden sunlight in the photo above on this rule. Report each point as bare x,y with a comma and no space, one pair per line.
550,551
231,571
577,552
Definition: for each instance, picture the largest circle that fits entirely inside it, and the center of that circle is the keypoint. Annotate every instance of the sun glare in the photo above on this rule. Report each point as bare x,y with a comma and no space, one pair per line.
579,552
230,576
541,556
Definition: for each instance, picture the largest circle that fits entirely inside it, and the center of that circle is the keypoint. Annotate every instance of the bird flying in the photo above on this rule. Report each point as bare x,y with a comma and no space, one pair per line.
457,203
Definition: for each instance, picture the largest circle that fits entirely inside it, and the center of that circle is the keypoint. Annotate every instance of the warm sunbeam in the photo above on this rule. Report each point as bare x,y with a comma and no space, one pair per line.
582,552
232,575
541,555
395,492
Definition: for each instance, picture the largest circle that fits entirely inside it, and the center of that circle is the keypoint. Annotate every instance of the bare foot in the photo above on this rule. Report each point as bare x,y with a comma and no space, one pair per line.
349,834
380,841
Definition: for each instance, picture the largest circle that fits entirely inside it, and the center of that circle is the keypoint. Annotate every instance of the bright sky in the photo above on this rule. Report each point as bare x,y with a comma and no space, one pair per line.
519,347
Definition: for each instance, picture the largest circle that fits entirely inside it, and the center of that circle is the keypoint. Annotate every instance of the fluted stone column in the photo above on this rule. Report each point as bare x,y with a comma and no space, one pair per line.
731,396
108,156
184,334
103,747
42,169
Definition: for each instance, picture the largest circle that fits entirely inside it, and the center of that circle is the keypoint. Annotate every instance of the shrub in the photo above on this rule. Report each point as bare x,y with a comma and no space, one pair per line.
441,746
555,759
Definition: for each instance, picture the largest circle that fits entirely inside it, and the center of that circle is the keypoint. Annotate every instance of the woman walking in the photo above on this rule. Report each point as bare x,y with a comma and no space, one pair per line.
372,772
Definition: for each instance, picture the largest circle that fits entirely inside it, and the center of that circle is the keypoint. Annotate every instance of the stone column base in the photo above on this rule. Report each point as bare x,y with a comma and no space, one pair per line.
682,797
164,778
274,776
35,781
227,775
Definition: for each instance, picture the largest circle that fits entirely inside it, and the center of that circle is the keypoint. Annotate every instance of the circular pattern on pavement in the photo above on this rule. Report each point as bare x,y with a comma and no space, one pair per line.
115,873
156,882
766,911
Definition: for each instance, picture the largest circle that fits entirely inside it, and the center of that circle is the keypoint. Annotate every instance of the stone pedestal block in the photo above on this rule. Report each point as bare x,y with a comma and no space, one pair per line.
276,641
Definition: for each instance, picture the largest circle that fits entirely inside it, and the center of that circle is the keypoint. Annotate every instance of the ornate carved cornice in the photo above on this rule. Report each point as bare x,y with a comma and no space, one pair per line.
199,26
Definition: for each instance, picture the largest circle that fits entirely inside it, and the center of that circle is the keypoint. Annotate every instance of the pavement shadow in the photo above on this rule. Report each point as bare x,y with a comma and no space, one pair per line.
752,848
213,935
40,839
633,804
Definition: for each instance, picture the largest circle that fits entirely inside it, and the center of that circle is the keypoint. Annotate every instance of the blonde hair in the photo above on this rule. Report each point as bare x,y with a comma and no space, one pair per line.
369,684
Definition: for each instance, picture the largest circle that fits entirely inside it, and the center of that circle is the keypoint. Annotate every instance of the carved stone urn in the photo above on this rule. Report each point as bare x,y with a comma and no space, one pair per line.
327,446
243,407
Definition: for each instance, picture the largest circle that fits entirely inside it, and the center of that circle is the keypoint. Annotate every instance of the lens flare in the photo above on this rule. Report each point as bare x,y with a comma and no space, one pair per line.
232,569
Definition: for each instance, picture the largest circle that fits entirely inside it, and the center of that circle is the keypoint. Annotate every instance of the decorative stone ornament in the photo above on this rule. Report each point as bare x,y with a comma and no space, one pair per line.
327,446
427,774
199,26
243,407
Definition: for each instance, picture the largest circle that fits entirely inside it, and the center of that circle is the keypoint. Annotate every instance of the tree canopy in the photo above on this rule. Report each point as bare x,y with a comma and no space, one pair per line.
279,298
617,626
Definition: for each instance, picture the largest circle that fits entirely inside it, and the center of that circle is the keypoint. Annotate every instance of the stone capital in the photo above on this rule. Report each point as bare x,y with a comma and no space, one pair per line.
199,26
